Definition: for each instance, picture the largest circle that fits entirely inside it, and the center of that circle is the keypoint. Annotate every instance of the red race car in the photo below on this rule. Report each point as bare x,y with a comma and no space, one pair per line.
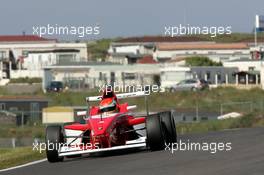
110,126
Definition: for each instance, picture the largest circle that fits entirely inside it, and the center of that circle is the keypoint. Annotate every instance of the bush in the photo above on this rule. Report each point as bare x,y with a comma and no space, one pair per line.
26,80
201,61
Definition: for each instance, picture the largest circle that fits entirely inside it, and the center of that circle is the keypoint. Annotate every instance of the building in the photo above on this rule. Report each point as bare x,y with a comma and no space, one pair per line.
34,63
26,108
92,75
171,75
62,114
18,52
215,51
245,64
215,74
130,50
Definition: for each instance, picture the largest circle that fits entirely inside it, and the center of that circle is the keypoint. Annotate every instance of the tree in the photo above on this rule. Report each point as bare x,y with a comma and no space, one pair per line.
200,61
98,49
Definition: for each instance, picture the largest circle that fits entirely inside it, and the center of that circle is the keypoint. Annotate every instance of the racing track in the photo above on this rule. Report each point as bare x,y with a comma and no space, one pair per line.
246,158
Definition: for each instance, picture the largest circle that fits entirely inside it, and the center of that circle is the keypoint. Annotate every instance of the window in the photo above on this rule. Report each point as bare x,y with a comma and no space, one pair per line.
49,58
34,108
251,68
66,58
2,54
2,106
129,76
39,58
208,75
224,58
191,81
211,53
100,76
219,76
25,53
13,109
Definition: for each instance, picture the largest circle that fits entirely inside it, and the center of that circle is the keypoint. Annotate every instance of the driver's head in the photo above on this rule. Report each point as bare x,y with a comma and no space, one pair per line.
108,105
108,93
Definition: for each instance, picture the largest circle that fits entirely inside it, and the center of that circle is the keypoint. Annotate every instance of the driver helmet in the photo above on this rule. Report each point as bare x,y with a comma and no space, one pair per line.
108,105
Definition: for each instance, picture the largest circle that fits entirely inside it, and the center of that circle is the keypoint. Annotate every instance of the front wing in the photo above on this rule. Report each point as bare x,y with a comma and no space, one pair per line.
68,151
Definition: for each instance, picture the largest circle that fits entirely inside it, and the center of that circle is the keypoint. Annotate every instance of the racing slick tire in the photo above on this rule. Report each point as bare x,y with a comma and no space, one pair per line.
169,126
155,134
54,137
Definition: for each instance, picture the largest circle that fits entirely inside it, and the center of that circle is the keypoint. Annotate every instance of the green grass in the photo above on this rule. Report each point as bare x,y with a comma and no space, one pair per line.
206,100
26,80
13,131
247,121
210,99
12,157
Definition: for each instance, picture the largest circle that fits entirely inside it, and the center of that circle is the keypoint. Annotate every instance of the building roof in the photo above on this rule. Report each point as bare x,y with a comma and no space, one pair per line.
151,39
202,46
85,64
23,99
148,59
23,38
55,51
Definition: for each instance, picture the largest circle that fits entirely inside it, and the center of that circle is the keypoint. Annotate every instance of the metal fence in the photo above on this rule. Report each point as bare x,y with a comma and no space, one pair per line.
23,128
210,111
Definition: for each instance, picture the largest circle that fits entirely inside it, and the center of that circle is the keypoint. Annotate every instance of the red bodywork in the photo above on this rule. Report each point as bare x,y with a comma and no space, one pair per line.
107,130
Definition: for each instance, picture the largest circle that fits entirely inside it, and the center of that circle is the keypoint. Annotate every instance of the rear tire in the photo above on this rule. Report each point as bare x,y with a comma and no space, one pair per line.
169,127
54,138
155,135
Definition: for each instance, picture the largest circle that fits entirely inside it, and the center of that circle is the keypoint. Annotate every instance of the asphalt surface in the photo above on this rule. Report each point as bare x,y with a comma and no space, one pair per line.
245,158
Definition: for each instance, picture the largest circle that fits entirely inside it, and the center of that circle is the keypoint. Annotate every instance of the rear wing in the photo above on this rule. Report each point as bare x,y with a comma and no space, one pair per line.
118,96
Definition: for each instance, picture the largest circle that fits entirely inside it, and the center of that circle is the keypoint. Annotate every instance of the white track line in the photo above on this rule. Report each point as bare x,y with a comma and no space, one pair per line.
24,165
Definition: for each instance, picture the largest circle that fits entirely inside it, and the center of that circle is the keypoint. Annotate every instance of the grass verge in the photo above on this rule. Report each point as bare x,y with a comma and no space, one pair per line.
10,157
12,131
247,121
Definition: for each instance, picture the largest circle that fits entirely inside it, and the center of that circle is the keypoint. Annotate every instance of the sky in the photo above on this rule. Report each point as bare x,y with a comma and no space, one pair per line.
121,18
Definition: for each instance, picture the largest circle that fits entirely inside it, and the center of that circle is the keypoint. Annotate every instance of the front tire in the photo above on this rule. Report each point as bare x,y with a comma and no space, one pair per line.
54,139
155,135
169,127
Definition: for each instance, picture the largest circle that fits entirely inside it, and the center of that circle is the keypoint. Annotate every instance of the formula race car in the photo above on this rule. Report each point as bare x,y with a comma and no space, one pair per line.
110,126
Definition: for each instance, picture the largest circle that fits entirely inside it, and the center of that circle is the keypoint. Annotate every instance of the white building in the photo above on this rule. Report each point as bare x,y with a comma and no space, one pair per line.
129,50
245,65
172,75
163,49
127,53
91,75
25,55
215,51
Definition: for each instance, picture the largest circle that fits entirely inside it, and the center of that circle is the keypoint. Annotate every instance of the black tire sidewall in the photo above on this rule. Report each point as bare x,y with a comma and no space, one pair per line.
54,137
